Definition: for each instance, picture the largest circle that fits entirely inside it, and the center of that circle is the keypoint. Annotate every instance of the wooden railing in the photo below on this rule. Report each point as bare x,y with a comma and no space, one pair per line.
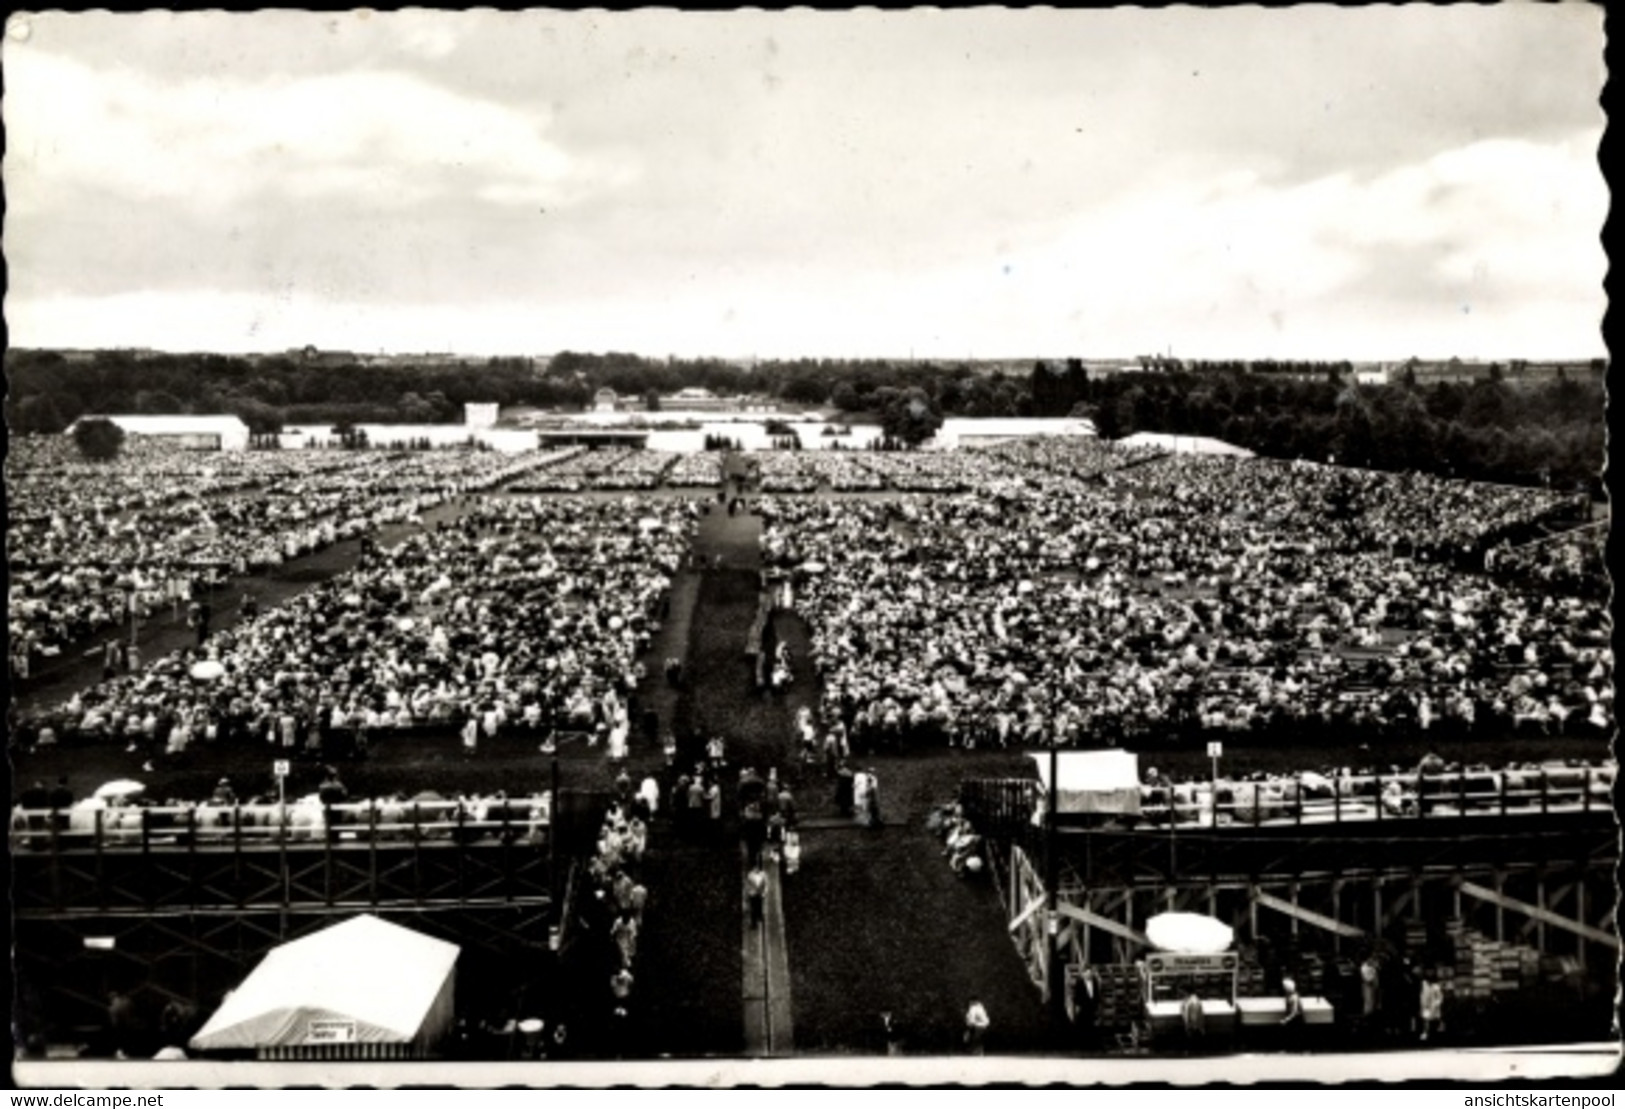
1313,799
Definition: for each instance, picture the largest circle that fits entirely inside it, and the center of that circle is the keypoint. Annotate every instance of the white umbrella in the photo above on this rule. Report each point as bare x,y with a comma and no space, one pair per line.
406,623
1189,933
813,567
121,788
208,670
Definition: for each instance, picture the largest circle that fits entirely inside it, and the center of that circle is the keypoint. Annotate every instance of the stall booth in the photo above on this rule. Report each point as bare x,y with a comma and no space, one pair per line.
1105,784
1191,956
1263,1015
362,989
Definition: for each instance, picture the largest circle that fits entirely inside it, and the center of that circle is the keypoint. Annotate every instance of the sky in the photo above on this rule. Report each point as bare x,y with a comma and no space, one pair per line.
1315,182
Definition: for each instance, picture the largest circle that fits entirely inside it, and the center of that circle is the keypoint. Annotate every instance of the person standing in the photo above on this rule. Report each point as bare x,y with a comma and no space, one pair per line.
1194,1019
696,804
1086,1003
871,813
845,789
754,828
756,892
860,796
1432,1005
471,735
1370,995
713,808
977,1023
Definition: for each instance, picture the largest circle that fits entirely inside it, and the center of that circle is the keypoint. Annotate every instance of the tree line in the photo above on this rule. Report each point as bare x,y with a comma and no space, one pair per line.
1502,427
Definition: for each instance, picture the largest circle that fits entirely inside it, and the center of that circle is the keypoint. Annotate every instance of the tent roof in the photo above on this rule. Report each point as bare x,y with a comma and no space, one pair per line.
1015,426
1184,444
382,976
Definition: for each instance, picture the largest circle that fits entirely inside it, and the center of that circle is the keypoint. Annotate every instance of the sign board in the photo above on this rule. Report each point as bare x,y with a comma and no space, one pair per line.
330,1032
1215,749
280,768
1174,963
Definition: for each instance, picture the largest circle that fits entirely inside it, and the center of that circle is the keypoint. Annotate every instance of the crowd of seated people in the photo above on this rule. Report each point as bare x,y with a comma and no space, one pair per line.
702,468
1048,607
610,468
525,613
808,471
89,563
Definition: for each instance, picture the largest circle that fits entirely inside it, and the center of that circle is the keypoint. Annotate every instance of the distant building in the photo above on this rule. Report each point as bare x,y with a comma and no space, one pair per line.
480,415
700,400
197,433
605,400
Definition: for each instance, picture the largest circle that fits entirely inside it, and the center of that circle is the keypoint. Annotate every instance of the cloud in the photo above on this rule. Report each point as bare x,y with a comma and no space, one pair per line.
362,138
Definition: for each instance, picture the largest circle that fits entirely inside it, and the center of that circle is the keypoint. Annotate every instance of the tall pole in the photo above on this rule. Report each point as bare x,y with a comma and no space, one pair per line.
554,808
1052,921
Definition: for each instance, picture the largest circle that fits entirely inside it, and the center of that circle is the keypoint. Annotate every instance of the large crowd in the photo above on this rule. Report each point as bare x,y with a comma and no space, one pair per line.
525,613
1048,588
611,468
92,546
1179,596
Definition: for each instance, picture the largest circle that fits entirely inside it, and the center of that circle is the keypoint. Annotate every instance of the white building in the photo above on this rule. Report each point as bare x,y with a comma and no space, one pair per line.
198,433
479,415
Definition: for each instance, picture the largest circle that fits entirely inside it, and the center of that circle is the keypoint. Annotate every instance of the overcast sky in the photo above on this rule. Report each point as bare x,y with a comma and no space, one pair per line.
1314,182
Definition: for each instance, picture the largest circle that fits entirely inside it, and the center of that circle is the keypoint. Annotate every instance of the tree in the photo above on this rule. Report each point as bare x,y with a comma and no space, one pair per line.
908,416
98,438
846,397
651,400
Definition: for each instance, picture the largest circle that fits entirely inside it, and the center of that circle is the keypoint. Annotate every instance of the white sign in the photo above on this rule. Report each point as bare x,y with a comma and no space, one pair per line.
1215,749
330,1032
281,766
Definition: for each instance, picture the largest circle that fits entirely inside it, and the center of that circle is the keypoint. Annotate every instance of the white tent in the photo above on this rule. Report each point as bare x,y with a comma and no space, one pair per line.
364,981
1093,781
1184,444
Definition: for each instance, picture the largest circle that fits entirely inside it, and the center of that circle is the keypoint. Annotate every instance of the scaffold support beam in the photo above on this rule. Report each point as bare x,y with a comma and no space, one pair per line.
1535,912
1308,916
1106,924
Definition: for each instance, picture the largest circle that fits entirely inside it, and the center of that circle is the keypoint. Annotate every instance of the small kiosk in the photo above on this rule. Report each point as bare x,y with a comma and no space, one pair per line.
1191,956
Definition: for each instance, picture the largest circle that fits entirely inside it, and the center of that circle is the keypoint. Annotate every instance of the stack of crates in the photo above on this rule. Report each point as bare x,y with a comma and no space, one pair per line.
1485,968
1311,974
1416,942
1120,1001
1249,978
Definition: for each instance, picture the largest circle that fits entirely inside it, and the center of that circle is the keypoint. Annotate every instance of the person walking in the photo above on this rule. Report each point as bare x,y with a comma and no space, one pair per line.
1292,1019
977,1023
756,892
